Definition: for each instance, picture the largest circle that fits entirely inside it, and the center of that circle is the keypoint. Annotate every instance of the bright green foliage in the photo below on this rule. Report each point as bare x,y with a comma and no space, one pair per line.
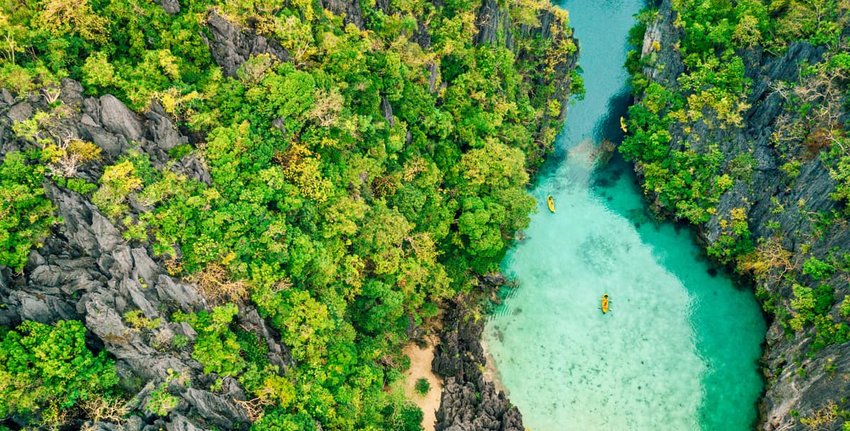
161,402
686,177
844,309
811,306
817,269
46,371
734,238
115,185
216,347
137,320
493,201
97,71
346,227
278,420
803,304
239,353
25,213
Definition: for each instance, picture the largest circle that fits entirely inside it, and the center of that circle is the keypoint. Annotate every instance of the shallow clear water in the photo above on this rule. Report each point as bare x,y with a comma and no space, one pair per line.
679,349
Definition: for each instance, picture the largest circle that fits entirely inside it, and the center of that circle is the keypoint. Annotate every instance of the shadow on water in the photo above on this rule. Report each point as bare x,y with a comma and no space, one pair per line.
618,173
672,307
606,129
609,126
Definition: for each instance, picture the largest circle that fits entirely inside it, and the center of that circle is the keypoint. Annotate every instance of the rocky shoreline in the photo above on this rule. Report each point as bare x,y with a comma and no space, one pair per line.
800,383
471,400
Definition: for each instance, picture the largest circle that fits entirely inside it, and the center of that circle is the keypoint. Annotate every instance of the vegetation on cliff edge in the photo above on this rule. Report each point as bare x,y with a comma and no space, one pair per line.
353,192
675,136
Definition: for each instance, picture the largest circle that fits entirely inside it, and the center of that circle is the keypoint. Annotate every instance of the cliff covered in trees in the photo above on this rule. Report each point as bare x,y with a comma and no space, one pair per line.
739,127
232,215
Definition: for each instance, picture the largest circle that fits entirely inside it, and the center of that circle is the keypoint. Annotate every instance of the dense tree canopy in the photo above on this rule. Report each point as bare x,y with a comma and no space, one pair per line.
354,188
688,175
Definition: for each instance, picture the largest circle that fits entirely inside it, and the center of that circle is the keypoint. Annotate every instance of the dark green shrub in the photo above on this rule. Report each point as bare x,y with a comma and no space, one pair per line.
422,386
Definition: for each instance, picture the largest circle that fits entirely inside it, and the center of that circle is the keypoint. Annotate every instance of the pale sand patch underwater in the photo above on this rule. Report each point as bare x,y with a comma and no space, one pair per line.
491,373
678,350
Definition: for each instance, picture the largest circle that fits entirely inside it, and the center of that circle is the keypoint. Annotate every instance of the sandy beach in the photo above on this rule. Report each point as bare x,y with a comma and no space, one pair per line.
420,366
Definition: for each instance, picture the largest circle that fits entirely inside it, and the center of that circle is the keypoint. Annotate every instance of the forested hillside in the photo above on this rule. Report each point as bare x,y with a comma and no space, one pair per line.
223,215
740,127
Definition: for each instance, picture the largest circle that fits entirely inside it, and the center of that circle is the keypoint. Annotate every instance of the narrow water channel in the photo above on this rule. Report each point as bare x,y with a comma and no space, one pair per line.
679,348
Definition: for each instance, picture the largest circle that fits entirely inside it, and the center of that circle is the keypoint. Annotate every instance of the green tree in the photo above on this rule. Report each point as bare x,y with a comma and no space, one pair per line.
46,371
25,213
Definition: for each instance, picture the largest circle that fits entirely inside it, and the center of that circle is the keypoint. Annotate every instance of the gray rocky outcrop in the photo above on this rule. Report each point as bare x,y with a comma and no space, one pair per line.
106,122
231,45
170,6
85,270
799,384
469,402
349,10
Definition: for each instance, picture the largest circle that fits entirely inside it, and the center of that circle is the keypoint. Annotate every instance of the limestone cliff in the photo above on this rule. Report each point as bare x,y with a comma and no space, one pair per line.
805,384
88,270
548,35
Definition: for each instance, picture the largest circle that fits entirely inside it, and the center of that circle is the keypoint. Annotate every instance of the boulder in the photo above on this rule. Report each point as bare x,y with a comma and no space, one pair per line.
231,46
119,119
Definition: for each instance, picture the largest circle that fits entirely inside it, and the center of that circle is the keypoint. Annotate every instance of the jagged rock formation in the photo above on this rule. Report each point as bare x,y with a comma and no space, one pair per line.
86,271
231,46
171,6
349,10
469,401
799,384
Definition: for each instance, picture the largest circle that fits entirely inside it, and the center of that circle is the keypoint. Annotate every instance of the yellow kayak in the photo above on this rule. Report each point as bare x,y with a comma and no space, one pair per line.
604,303
551,203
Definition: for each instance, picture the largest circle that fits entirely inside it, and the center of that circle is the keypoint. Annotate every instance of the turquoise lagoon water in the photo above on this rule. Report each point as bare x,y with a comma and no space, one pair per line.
679,349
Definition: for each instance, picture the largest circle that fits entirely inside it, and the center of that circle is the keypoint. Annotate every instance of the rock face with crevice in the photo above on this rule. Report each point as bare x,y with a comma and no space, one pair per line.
469,401
801,383
231,45
86,271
